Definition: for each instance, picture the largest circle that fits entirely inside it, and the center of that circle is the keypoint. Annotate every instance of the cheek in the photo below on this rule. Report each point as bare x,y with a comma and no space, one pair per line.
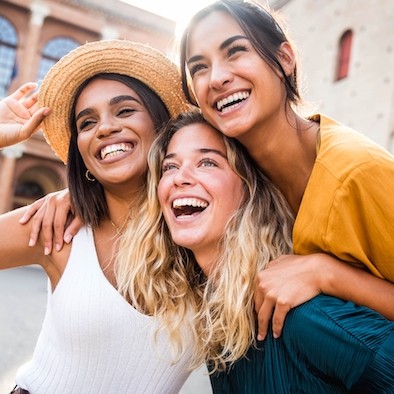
147,140
238,193
200,90
82,144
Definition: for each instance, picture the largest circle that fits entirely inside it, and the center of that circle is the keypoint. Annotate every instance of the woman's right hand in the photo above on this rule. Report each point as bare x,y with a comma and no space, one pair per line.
287,282
20,115
53,217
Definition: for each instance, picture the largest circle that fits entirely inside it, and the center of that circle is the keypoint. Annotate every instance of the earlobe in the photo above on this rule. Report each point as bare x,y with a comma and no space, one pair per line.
287,57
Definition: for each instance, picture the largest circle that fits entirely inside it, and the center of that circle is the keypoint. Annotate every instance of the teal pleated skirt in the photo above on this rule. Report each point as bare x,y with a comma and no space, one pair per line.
327,346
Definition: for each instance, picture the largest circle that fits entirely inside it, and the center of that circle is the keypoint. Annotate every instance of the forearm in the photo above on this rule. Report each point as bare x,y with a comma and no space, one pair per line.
349,283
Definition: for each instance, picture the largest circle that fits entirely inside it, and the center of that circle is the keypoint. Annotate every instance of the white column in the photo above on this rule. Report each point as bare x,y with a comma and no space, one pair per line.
7,173
39,11
109,33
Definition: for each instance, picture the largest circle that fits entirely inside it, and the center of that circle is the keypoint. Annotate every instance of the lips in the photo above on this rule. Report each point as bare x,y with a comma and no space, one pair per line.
231,100
115,149
188,206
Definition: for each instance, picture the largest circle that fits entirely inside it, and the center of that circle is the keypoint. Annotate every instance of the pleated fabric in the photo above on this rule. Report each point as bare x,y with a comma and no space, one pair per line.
327,346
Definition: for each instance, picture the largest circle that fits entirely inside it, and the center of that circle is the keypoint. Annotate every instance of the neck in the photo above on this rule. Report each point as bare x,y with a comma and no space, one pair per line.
286,151
206,260
119,210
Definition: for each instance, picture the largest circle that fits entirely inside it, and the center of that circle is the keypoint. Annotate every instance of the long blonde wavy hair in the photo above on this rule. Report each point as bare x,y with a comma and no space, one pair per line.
165,280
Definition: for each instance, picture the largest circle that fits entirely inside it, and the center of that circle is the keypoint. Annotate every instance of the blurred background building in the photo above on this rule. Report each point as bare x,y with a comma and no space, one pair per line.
346,49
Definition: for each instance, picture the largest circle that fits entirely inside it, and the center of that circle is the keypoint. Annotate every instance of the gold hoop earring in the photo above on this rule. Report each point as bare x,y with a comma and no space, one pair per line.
89,176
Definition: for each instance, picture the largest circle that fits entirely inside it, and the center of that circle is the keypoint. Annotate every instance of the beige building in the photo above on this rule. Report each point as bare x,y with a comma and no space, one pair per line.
346,49
34,34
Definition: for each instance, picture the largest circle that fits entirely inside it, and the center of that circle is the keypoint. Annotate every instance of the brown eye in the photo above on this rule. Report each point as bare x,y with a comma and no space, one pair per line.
237,48
126,112
195,68
85,125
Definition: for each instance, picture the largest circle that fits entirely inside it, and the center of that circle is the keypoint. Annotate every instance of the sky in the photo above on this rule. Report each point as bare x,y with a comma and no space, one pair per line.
179,11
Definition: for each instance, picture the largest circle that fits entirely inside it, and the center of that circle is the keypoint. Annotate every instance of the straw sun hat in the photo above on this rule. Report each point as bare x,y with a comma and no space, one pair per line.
133,59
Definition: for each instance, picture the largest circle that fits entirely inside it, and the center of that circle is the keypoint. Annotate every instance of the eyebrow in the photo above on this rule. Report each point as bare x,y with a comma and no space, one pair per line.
202,150
119,99
222,46
113,101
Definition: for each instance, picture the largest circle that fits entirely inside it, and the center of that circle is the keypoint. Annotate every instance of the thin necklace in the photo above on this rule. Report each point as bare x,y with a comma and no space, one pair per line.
117,229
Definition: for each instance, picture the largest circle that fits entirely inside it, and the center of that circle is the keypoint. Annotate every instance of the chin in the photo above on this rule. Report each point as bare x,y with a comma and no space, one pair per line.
185,243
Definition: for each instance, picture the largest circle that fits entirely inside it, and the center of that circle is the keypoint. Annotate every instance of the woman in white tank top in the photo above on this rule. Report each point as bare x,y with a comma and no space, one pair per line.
101,107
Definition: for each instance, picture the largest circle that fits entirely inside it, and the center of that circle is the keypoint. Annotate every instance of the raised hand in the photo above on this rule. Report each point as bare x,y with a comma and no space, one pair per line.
20,115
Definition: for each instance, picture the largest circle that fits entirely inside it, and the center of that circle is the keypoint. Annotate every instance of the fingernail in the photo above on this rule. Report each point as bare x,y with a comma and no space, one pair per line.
68,238
57,247
275,335
47,251
260,337
31,242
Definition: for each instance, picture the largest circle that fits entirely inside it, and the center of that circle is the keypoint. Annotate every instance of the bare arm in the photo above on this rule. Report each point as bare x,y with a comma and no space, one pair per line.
14,249
53,219
292,280
20,116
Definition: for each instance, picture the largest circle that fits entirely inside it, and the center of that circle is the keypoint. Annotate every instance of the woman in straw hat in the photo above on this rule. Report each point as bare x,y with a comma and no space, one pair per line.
107,100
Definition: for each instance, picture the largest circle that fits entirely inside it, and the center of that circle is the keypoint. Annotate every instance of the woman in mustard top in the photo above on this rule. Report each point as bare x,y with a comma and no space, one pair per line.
339,184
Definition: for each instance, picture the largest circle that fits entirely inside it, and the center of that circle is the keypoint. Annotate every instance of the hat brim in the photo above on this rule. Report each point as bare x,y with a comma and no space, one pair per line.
124,57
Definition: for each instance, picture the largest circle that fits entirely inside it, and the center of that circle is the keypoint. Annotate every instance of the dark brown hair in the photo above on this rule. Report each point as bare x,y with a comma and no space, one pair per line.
87,197
262,30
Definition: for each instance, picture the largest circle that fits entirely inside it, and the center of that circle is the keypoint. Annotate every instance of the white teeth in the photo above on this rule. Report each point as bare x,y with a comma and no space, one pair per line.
114,149
232,98
189,202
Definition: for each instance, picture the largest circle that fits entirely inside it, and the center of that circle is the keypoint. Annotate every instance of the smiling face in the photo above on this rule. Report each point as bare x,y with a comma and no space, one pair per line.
238,92
198,190
115,132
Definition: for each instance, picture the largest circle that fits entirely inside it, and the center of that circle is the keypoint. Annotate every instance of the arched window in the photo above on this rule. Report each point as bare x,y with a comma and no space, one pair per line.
34,183
345,47
29,189
8,44
53,51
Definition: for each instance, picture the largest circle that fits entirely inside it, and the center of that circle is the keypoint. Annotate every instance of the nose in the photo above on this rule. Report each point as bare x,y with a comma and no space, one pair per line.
108,125
184,176
220,75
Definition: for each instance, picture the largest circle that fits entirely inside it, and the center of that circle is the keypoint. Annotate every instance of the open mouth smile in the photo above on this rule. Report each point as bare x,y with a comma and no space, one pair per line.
185,207
115,149
233,99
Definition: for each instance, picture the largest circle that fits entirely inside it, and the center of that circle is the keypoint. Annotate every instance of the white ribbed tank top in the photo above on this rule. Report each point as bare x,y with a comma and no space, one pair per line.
93,341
